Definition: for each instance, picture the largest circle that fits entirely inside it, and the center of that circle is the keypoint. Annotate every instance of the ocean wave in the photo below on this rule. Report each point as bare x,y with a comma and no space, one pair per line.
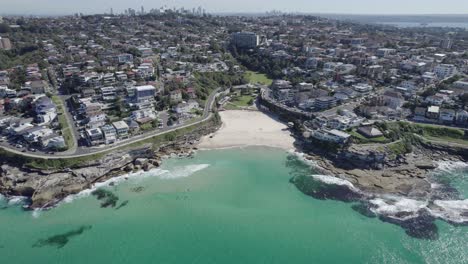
451,211
178,172
183,172
302,157
16,200
450,166
331,180
397,207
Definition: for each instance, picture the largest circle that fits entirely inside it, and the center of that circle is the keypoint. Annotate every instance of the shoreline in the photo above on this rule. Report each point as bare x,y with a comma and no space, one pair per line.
244,128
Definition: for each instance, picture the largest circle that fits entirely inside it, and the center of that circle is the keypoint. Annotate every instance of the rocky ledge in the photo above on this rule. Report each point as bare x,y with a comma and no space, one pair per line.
407,175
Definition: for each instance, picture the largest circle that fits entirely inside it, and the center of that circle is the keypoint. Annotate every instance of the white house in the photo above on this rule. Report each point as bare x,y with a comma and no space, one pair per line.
334,135
185,107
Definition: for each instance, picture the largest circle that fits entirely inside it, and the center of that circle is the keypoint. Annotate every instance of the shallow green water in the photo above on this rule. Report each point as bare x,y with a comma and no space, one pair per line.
237,208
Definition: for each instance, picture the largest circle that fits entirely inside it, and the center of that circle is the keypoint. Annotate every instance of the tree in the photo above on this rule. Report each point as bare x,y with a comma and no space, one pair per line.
464,99
4,28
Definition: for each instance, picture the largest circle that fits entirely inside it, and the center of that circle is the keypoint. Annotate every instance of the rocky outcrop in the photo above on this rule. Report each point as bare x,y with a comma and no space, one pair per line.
45,188
375,171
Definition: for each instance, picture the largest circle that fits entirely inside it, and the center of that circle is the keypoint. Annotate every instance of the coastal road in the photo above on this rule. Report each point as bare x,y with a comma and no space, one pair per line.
207,113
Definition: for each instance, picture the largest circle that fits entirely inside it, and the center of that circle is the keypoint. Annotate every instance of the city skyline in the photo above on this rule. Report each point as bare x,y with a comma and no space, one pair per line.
361,7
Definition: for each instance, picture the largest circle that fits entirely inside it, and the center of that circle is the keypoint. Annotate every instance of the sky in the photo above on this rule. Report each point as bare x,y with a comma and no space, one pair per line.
56,7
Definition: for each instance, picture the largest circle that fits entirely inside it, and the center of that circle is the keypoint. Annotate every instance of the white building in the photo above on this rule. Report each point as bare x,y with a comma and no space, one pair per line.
110,135
445,70
185,107
334,136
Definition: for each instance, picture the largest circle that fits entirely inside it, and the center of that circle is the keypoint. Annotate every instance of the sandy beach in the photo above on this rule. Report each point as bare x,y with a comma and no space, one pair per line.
248,128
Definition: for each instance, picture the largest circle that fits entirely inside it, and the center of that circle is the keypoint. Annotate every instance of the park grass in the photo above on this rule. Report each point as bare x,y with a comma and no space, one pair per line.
243,100
66,130
260,78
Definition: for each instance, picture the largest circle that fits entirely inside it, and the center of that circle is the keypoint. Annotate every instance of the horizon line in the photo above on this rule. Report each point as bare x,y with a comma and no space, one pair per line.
253,13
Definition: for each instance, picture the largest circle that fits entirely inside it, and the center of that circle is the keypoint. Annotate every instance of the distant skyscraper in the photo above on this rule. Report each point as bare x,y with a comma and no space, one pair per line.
446,43
112,11
142,10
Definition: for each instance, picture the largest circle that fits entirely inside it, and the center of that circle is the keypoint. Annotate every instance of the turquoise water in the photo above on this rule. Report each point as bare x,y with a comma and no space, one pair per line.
226,206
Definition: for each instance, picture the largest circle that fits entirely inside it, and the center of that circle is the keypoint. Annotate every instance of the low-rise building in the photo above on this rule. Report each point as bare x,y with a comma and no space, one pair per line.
185,107
94,136
121,128
333,135
109,133
447,116
433,112
324,102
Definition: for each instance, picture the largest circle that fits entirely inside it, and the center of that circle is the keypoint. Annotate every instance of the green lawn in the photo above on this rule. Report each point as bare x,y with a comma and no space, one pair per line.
255,77
239,102
363,140
66,130
448,140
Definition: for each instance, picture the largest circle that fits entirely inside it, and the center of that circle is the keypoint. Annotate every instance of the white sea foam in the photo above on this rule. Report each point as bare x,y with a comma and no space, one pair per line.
390,206
335,181
302,157
182,172
179,172
450,166
36,213
16,200
453,211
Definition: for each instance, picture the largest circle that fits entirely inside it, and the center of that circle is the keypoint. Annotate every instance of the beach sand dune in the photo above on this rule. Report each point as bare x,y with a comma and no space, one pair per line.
248,128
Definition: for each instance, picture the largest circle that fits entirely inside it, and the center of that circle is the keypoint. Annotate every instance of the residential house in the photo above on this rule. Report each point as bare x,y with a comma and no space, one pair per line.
370,131
434,100
53,141
175,96
45,109
185,107
433,112
94,136
334,136
109,133
462,117
447,116
393,100
121,128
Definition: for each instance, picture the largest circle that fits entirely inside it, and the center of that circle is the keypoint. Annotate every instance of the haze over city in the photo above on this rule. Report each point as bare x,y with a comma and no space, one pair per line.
56,7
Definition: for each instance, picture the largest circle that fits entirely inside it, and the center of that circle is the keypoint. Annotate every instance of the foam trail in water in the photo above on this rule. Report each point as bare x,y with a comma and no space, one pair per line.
335,181
160,173
183,171
36,213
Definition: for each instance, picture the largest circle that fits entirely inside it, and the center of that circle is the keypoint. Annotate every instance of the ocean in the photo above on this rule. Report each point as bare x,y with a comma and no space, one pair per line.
434,24
224,206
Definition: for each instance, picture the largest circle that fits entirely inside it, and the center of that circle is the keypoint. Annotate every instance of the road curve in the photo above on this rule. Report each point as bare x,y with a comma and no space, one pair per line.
206,115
